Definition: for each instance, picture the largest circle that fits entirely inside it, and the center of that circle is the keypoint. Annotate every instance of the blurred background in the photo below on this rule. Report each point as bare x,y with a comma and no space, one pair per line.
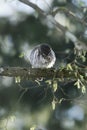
26,105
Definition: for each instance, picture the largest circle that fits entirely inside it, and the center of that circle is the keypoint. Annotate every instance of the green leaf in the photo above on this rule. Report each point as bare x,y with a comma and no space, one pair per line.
83,58
12,118
48,82
21,55
55,85
61,100
83,89
69,67
33,127
17,79
77,83
53,104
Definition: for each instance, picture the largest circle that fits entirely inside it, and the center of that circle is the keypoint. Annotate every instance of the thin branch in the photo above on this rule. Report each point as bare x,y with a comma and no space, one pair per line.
44,14
78,44
69,13
34,6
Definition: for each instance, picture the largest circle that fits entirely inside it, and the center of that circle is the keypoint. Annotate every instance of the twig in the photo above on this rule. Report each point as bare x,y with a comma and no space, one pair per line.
70,13
34,6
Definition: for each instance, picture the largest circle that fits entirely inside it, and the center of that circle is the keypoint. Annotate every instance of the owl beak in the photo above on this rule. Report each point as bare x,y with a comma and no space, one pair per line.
49,58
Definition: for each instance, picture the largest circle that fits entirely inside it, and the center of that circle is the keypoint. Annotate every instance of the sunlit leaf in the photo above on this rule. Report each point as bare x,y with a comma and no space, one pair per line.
53,105
48,82
21,55
83,89
81,76
69,67
83,58
17,79
77,83
12,118
33,127
37,81
55,85
61,100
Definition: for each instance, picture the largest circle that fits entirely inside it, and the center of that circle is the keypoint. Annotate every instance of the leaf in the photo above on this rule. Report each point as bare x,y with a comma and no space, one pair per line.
55,85
69,67
12,118
83,89
53,105
61,100
1,70
83,58
77,83
33,127
81,77
76,74
17,79
38,82
21,55
48,82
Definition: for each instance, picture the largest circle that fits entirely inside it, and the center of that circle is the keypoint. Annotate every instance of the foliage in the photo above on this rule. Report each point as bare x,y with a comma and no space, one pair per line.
46,102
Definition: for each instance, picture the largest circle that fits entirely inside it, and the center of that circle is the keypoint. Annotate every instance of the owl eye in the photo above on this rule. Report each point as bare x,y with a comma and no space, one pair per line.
44,55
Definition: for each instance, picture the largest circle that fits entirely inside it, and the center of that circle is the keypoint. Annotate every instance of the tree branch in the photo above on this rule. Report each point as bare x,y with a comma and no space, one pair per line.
69,13
34,6
79,45
33,73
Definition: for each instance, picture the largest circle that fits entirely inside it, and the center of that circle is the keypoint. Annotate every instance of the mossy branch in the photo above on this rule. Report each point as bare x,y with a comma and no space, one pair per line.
33,73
